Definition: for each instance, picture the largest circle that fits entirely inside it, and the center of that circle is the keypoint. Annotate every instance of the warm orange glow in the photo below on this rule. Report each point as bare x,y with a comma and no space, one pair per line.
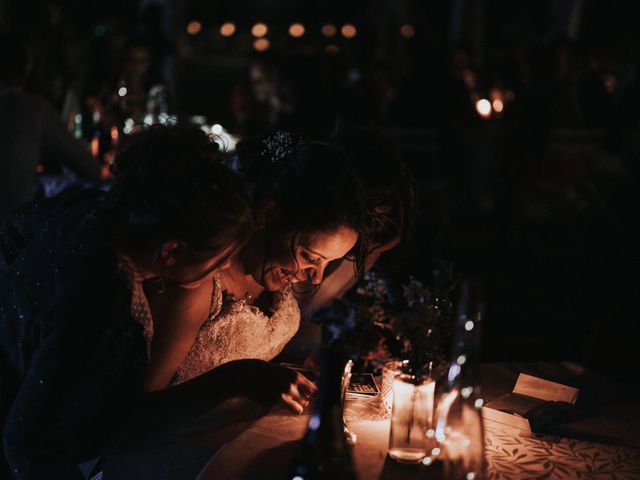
259,30
194,27
329,30
331,49
261,44
407,31
483,107
114,134
95,147
498,105
227,29
296,30
348,30
39,168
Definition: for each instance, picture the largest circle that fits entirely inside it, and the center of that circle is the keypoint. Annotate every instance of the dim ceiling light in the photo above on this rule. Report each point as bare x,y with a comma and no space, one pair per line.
498,105
228,29
194,27
296,30
331,49
407,31
261,44
329,30
483,107
348,30
259,30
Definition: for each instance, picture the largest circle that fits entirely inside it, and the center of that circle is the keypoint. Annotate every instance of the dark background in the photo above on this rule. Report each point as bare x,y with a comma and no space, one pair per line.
538,203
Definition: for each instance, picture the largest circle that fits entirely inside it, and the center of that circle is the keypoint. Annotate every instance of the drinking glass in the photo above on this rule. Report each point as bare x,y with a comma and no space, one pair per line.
411,417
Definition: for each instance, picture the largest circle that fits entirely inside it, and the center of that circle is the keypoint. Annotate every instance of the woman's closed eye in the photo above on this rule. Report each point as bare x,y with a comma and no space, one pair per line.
308,258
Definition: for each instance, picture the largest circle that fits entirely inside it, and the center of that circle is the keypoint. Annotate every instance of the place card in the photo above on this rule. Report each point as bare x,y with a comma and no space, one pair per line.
533,403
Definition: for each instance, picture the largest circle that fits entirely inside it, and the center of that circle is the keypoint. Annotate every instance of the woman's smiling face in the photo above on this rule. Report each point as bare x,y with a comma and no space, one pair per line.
312,253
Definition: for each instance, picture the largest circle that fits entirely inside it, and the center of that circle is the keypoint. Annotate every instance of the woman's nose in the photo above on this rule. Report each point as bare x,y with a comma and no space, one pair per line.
301,275
315,275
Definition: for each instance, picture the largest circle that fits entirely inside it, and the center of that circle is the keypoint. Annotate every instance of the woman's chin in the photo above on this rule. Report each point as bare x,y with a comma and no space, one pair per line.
277,280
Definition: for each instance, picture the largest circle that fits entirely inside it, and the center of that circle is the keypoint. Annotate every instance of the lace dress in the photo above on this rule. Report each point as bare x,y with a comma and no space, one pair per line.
237,330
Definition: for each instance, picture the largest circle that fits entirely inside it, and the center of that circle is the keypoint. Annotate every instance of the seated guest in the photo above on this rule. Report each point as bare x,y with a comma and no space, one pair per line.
31,132
74,344
309,212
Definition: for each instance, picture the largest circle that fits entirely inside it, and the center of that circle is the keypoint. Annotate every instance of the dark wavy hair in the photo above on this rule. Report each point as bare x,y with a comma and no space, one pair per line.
390,188
170,183
311,185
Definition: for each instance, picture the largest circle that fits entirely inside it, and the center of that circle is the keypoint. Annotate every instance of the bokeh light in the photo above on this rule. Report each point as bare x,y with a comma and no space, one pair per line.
407,31
348,30
296,30
194,28
228,29
329,30
483,107
261,44
259,30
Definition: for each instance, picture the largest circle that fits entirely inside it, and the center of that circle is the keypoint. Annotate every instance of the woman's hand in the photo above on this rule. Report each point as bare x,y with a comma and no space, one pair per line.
267,383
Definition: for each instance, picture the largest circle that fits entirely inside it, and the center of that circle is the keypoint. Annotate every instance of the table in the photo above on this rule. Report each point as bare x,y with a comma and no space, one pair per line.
599,439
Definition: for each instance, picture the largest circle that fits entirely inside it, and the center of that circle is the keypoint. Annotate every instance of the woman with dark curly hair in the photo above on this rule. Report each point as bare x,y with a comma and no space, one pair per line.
390,198
76,333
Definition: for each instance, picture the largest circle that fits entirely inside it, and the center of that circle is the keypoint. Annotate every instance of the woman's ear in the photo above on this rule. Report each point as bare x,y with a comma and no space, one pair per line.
265,213
170,251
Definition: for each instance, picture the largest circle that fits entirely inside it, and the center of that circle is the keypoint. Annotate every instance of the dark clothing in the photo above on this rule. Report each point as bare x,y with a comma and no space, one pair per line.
72,358
31,132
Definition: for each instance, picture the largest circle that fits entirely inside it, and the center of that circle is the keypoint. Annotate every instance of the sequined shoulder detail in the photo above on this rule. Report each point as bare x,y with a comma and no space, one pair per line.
239,330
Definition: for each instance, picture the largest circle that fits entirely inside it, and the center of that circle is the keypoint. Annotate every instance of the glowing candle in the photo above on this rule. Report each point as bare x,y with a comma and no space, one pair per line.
411,417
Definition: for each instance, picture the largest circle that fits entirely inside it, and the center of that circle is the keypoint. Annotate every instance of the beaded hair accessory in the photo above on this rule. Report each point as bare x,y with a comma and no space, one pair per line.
256,155
280,145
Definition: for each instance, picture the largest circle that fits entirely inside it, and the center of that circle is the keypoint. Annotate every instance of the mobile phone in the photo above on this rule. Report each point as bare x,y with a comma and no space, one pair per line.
363,384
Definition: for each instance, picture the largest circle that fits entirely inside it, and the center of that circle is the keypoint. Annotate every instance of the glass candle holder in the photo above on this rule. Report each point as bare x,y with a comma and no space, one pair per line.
390,371
411,417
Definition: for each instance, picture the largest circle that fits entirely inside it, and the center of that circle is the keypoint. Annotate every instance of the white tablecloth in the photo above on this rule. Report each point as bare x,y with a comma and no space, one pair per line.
600,439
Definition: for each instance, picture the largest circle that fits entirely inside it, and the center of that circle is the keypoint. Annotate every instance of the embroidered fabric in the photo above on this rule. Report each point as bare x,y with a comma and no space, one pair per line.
237,330
140,310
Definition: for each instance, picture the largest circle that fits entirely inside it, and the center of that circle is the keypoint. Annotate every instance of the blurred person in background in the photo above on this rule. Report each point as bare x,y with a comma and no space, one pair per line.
31,132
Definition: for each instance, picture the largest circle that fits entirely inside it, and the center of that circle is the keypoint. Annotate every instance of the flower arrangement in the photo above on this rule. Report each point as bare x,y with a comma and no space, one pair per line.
379,322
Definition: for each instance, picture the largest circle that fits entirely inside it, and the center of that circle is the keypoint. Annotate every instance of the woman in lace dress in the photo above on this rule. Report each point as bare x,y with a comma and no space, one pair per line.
73,346
309,212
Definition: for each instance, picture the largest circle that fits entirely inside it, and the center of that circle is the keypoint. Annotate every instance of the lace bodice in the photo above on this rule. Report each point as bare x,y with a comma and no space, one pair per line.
236,330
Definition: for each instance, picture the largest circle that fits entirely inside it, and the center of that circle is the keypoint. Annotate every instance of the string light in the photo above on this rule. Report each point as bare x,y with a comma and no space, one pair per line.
407,31
194,27
228,29
329,30
331,49
296,30
261,44
259,30
348,30
483,107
